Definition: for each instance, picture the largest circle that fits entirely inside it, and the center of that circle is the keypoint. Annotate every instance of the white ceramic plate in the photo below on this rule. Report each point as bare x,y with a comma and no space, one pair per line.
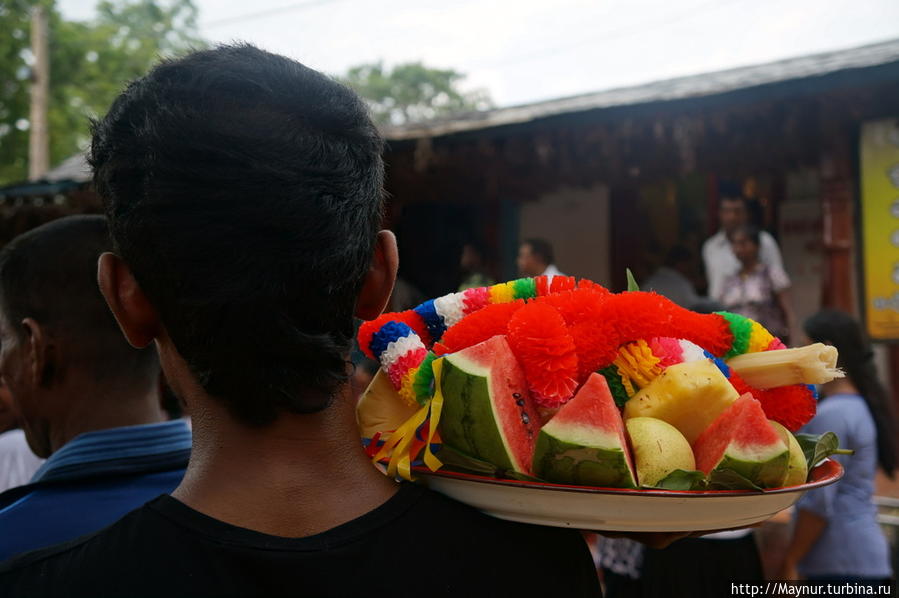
615,509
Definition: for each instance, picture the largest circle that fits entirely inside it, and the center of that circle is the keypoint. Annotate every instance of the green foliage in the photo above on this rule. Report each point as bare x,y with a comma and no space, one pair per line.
90,63
631,281
817,448
681,479
412,92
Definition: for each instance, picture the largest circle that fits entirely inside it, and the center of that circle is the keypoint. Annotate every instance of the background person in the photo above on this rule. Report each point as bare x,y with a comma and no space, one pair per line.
671,278
717,255
536,258
88,401
17,462
836,535
757,290
474,271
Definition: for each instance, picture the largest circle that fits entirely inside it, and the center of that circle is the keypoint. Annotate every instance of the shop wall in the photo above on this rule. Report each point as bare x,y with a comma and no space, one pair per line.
576,222
799,234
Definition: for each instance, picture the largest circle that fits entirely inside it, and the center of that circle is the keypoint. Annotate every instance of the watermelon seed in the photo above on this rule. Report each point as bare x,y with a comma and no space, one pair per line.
520,402
525,418
516,395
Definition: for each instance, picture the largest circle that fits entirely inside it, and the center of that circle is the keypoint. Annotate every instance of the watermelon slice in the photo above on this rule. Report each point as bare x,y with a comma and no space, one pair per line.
742,439
585,443
487,411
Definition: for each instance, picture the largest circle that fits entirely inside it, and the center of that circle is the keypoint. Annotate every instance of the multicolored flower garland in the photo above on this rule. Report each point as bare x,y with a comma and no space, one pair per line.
561,332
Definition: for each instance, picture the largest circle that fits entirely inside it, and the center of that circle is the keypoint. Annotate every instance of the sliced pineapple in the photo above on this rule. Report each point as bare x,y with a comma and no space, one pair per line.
689,396
812,364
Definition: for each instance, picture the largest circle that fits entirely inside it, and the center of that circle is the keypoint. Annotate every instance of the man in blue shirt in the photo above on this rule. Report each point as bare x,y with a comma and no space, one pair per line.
88,400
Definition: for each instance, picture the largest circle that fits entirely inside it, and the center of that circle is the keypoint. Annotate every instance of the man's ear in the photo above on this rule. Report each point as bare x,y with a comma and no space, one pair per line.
379,281
136,316
40,353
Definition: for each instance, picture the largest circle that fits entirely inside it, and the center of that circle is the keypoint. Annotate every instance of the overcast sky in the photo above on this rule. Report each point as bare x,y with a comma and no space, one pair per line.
528,50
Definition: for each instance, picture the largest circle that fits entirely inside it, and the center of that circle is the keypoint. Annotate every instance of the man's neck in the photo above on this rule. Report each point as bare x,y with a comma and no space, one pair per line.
95,409
301,475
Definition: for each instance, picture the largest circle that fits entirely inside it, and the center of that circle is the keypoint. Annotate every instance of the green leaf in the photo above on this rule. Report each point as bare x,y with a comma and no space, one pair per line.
616,387
728,479
631,281
817,448
681,479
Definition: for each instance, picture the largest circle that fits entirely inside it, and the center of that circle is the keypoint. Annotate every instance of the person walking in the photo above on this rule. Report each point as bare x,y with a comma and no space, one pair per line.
836,536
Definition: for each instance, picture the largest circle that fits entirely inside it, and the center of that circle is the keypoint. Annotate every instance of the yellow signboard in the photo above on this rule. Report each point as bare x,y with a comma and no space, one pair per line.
880,226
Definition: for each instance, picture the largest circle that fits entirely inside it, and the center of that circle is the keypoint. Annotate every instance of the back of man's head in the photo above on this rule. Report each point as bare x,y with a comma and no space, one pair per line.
49,275
542,250
244,191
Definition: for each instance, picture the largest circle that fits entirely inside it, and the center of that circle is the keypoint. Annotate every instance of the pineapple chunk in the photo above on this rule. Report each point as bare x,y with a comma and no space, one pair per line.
689,396
812,364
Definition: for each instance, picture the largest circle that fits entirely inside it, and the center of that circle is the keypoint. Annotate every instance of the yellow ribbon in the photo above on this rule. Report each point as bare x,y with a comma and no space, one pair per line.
436,405
398,446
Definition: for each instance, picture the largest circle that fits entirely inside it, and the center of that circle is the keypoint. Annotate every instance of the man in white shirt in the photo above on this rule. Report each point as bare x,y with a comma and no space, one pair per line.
717,255
535,258
17,462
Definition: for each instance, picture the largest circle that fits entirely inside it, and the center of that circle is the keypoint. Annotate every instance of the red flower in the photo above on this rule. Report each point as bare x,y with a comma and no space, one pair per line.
540,340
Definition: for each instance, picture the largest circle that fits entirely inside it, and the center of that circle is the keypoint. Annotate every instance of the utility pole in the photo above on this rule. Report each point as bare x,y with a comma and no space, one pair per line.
39,139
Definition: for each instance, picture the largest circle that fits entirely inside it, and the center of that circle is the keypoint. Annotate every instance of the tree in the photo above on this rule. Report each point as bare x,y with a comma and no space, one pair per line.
90,63
412,92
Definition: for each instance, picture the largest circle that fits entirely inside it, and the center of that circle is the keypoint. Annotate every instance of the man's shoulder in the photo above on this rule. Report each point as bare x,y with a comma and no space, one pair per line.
714,242
48,571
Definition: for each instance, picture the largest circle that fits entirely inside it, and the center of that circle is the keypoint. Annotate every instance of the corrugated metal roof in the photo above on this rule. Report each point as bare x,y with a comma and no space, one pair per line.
672,89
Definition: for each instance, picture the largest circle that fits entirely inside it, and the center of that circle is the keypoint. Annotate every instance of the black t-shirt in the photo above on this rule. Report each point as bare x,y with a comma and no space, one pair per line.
418,543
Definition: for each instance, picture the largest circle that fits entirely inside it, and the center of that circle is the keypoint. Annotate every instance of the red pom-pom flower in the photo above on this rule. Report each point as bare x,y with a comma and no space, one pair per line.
540,340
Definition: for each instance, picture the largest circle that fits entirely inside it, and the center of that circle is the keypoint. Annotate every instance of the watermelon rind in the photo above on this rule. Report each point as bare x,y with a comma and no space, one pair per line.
742,440
468,420
557,460
766,472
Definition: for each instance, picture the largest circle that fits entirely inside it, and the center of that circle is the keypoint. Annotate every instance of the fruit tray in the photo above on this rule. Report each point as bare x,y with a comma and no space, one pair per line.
616,509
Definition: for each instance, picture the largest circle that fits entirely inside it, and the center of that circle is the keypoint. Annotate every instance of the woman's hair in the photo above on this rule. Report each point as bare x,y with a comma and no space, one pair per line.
857,359
751,232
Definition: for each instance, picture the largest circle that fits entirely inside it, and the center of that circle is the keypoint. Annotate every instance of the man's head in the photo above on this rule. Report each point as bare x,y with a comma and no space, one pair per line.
472,258
534,255
679,258
744,242
244,194
60,348
733,211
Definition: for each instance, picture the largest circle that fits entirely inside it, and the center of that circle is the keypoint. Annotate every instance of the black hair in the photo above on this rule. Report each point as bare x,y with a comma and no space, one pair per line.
730,191
752,232
705,305
50,274
856,358
542,249
245,192
677,254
